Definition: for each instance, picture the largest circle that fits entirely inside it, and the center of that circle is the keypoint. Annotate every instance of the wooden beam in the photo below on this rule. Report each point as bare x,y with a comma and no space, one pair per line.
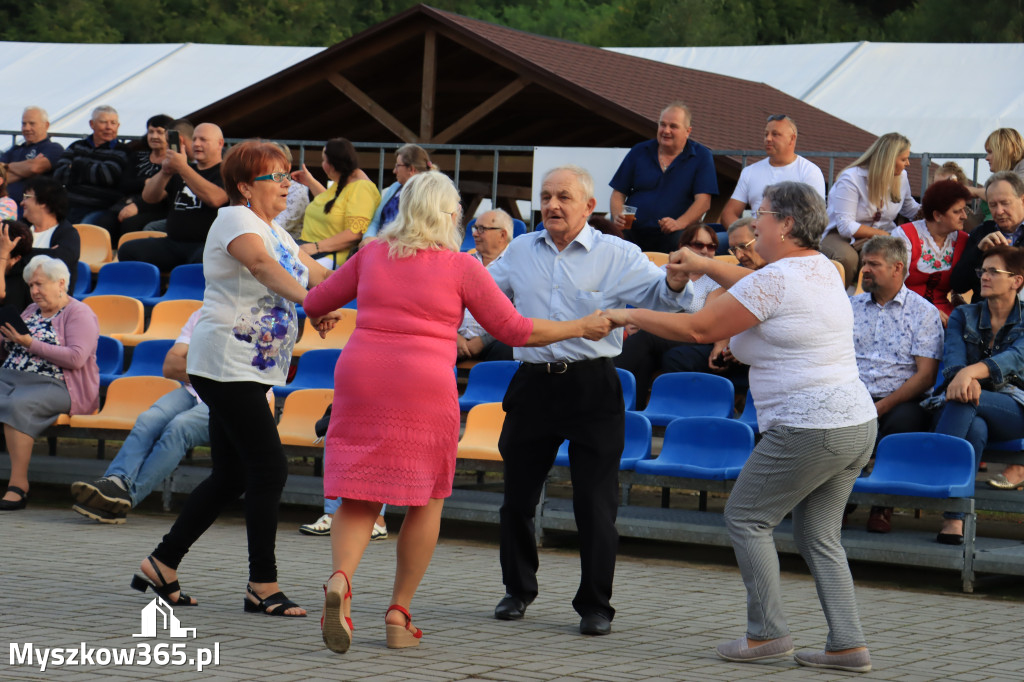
489,105
349,89
429,86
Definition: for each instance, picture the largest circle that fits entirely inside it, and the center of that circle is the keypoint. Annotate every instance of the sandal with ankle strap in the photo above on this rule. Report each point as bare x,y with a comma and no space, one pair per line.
165,590
266,605
335,627
400,636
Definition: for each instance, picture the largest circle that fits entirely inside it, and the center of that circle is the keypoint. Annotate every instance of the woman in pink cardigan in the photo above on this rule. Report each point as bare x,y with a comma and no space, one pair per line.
46,372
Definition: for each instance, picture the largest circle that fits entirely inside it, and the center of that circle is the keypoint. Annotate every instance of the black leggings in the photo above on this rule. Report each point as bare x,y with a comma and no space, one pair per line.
247,458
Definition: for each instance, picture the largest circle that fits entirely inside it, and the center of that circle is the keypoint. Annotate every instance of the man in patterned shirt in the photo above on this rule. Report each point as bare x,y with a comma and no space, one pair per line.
898,336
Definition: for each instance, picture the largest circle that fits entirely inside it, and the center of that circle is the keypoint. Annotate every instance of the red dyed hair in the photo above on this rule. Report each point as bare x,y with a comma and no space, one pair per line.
245,161
941,196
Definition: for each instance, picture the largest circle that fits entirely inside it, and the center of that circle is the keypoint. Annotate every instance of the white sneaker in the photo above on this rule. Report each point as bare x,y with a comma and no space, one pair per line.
322,526
379,532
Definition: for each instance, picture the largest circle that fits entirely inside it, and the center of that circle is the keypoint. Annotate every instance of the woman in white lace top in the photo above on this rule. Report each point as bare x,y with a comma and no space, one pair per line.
791,321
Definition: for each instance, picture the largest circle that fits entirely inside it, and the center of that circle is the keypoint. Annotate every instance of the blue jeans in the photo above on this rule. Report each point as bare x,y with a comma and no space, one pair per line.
996,417
161,437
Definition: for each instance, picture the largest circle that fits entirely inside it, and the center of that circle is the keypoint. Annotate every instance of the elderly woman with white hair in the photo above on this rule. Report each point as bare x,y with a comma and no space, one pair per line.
394,429
46,372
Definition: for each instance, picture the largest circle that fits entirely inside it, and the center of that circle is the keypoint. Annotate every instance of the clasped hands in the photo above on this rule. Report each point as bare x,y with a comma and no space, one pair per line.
326,323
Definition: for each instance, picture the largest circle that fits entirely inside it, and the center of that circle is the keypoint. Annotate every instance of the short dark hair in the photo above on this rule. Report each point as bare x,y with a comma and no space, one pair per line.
49,193
15,229
247,160
940,196
690,232
1013,259
160,121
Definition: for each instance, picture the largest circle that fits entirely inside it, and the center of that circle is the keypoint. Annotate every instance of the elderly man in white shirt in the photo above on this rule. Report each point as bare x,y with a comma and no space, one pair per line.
492,233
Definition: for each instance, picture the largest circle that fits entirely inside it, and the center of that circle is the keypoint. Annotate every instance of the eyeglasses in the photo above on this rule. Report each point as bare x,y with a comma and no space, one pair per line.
403,165
482,228
735,250
991,272
778,117
28,196
703,246
273,177
758,214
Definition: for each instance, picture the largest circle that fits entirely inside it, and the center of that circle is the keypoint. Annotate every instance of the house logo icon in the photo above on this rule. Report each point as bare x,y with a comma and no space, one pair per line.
158,614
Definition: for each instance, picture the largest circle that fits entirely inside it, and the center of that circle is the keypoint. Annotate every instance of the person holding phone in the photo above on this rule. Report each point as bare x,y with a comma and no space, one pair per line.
48,368
133,212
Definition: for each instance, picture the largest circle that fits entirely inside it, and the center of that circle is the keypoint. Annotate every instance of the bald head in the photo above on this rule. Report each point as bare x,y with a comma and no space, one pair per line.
207,145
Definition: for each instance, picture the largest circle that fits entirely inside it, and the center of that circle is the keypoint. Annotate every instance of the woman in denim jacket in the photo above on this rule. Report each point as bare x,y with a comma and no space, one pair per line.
983,362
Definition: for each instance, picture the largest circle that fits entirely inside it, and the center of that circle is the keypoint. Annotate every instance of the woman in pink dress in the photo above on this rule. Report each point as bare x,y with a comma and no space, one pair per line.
395,423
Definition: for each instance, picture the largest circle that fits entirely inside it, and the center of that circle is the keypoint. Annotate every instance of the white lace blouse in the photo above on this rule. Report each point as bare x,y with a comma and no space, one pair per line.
803,369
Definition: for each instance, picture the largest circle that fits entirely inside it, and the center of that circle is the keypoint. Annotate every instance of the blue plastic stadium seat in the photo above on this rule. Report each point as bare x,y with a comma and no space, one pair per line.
83,283
133,279
487,383
636,449
749,416
186,282
628,382
518,227
467,239
948,471
110,358
315,370
689,394
709,448
148,358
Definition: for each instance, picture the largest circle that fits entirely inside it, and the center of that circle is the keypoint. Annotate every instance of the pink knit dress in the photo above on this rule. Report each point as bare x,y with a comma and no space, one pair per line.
394,427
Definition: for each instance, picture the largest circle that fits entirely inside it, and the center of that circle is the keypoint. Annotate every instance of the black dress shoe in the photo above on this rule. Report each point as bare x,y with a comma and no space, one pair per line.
14,505
950,538
510,608
595,624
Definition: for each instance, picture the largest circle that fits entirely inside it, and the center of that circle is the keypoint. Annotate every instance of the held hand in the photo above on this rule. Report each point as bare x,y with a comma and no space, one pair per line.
174,162
462,347
326,323
595,326
6,243
631,329
669,225
620,221
127,212
302,176
997,238
618,317
717,356
11,334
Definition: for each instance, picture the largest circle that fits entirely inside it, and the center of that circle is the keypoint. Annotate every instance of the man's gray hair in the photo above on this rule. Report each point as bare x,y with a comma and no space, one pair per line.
583,178
53,268
678,104
804,205
892,249
1016,182
503,220
102,109
740,224
42,112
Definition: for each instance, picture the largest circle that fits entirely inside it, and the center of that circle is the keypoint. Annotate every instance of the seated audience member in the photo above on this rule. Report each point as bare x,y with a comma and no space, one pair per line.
92,169
669,180
983,365
45,205
1005,195
897,335
162,435
8,209
37,155
47,372
643,353
866,199
298,200
936,242
1004,151
410,159
782,163
144,161
195,192
337,218
15,249
492,233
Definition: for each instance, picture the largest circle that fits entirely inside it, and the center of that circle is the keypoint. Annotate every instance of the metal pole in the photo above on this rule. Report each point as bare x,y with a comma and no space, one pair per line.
494,182
380,170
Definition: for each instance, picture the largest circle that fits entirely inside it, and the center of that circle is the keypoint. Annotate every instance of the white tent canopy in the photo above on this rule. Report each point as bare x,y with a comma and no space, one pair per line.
69,80
944,97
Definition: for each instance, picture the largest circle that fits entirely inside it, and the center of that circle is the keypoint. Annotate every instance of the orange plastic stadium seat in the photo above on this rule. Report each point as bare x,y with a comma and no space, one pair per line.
127,398
165,322
659,258
96,249
139,234
302,409
336,338
841,269
118,315
483,426
728,258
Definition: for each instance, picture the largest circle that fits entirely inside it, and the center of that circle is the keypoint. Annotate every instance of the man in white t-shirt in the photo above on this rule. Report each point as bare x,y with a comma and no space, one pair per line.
782,164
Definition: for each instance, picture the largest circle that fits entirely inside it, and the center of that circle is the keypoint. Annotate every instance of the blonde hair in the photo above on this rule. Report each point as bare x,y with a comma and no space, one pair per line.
1007,148
425,217
880,162
951,170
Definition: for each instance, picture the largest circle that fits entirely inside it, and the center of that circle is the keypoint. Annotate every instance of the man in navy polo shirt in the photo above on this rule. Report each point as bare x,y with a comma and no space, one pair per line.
669,180
91,170
37,155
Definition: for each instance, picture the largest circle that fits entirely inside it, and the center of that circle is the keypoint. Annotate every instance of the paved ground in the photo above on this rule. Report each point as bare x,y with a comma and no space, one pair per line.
64,581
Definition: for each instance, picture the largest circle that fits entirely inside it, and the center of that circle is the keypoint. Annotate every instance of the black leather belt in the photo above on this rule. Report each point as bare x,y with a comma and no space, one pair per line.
561,367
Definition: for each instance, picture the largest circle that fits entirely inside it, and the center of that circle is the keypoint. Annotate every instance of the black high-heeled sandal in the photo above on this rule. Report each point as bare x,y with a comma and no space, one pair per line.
142,583
278,599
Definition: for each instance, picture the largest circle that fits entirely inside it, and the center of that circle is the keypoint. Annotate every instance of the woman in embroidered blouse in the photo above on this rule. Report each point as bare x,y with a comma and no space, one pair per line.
337,217
791,321
983,365
242,345
48,372
866,199
936,242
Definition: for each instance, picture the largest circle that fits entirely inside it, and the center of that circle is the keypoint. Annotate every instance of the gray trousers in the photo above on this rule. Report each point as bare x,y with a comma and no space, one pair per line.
811,472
